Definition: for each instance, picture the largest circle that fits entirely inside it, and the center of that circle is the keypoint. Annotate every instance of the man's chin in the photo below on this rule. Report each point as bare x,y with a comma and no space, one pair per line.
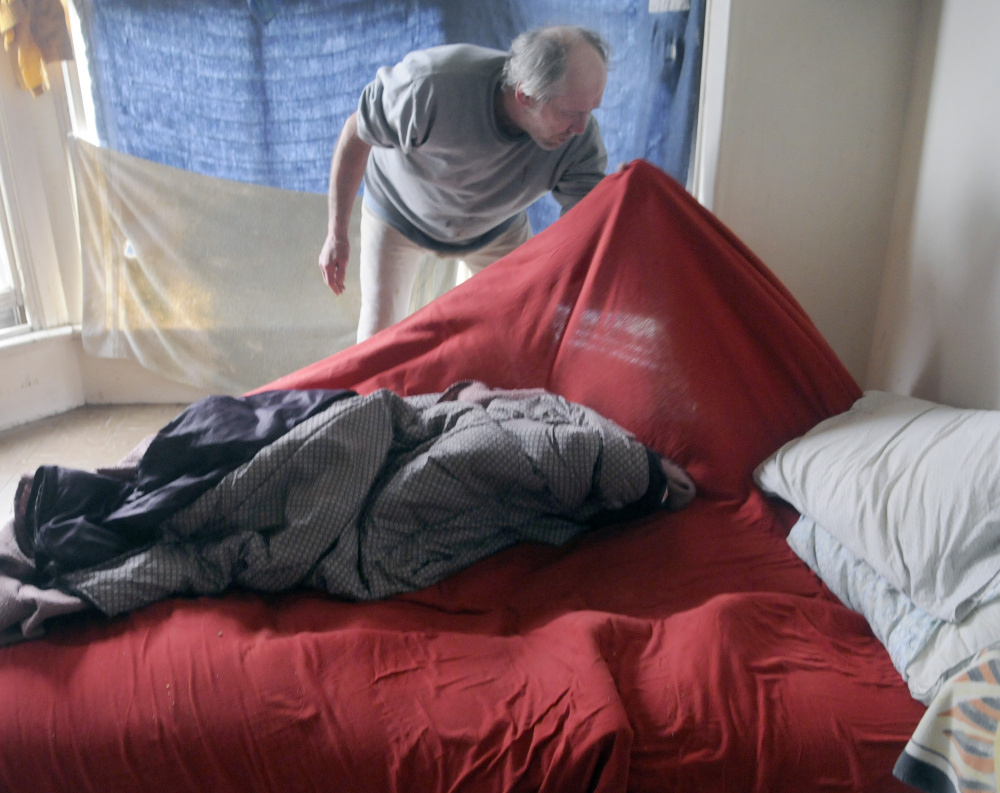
551,144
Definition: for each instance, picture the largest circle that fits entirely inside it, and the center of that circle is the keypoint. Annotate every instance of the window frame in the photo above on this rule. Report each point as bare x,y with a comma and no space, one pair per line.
35,173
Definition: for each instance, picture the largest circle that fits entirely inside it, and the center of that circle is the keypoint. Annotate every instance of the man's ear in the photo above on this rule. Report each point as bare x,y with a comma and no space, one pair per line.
523,99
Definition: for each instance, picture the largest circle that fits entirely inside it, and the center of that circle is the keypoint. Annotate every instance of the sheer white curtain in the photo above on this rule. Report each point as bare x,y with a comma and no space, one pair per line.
208,281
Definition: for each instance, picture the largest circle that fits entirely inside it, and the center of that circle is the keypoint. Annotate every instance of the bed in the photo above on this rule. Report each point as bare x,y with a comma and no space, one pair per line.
687,651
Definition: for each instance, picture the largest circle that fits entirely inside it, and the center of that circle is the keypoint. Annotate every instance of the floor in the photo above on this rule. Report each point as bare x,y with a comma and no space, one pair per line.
87,437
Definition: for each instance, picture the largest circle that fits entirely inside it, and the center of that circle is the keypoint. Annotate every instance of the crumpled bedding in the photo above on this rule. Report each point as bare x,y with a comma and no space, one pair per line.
383,494
25,608
73,519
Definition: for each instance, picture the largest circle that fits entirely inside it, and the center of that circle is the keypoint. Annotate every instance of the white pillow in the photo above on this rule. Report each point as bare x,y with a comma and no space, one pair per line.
951,647
924,649
910,486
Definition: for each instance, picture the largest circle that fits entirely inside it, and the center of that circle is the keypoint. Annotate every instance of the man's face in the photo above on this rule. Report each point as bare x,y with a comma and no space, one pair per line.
566,113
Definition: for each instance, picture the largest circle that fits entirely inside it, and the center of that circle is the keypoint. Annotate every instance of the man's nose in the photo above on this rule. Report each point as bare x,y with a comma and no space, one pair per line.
579,124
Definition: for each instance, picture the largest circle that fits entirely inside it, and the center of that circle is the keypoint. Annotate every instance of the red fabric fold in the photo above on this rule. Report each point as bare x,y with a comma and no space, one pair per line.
640,304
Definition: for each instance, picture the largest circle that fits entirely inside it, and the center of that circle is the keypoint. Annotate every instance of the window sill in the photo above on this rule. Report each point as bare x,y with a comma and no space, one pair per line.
23,335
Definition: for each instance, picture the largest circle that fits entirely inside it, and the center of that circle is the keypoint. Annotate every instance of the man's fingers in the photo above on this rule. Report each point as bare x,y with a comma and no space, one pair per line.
332,276
333,263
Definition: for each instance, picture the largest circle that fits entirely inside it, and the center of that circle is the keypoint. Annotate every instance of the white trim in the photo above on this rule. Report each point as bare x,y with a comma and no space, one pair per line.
12,253
79,90
14,332
38,336
26,208
708,134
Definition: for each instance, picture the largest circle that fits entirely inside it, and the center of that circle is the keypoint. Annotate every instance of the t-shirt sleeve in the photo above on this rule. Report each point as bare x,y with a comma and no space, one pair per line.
395,110
589,162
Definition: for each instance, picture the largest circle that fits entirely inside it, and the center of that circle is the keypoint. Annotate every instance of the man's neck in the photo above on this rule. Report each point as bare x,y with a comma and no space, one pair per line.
504,107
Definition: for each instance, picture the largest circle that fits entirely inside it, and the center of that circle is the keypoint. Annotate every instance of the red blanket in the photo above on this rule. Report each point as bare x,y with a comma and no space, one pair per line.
689,651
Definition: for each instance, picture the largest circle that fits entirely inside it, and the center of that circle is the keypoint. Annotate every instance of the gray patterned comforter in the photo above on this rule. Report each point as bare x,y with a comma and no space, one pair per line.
382,494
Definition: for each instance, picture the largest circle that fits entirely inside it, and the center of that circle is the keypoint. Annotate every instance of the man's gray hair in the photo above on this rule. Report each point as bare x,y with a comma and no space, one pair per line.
537,58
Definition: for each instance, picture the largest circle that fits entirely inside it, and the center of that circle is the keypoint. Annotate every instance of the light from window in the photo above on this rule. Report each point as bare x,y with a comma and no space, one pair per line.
10,314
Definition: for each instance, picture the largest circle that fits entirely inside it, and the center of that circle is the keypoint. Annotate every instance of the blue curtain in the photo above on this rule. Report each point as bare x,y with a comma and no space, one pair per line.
257,90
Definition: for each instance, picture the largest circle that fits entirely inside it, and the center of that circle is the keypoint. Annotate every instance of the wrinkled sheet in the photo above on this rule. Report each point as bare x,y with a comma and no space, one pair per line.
682,651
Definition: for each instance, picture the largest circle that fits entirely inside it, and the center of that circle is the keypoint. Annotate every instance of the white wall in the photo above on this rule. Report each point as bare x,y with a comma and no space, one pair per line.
48,373
815,103
42,383
938,329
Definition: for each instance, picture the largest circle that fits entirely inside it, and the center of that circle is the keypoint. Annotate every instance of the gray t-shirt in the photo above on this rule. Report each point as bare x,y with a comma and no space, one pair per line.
441,170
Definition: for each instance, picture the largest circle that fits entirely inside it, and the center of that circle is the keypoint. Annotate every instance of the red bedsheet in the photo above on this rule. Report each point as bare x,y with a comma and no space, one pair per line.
683,652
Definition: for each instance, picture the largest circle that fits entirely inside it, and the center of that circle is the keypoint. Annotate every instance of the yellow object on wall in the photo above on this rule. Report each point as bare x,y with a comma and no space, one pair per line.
35,33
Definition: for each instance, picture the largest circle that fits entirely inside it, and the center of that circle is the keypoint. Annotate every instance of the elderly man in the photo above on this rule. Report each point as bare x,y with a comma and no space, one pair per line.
454,143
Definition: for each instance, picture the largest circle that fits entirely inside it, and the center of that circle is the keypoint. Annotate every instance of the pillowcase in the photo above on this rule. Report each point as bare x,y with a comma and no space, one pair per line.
903,629
951,647
909,486
924,649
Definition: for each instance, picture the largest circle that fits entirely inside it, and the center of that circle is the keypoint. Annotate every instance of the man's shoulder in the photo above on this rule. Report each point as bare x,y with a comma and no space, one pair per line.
460,59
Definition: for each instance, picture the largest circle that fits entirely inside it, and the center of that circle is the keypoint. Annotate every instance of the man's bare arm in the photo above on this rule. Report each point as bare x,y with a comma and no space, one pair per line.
347,169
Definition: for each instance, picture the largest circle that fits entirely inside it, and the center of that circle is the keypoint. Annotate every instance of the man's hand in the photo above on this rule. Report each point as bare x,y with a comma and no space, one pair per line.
347,169
333,262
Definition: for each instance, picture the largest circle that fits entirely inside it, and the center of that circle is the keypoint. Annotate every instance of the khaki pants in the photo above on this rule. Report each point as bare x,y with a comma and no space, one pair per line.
389,262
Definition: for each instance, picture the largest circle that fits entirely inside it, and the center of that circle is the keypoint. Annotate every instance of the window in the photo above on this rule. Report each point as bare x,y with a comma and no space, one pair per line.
37,230
12,314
